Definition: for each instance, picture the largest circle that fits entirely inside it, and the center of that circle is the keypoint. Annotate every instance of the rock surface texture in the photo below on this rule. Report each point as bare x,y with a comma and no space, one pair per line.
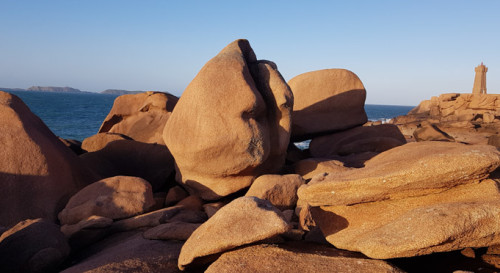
231,124
140,116
38,174
326,101
243,221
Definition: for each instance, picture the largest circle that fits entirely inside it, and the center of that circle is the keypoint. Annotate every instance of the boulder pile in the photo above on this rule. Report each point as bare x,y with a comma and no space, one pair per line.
467,118
213,182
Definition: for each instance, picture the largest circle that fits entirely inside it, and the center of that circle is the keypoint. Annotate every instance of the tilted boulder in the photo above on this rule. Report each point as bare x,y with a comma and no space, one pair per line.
326,101
115,198
231,124
140,116
243,221
38,174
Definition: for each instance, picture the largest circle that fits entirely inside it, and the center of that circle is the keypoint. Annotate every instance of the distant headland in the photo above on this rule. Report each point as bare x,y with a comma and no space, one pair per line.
66,89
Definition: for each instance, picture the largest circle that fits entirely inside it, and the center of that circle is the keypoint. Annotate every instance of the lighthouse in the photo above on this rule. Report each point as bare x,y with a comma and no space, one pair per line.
480,79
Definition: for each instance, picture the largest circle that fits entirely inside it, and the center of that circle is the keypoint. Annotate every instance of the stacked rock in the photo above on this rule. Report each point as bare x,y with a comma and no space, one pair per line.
212,181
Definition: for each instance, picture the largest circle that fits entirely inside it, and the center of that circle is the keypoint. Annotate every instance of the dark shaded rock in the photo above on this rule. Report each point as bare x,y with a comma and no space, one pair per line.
32,246
152,162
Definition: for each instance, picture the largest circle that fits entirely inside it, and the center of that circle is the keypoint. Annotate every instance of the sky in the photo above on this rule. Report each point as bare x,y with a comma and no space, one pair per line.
403,51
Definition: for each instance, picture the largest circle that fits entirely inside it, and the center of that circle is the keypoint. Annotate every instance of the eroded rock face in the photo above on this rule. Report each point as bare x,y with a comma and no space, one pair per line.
296,257
115,198
410,170
140,116
33,245
231,124
465,216
243,221
38,174
326,101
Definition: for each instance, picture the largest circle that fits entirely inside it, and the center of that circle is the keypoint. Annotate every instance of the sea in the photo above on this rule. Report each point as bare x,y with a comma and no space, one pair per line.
80,115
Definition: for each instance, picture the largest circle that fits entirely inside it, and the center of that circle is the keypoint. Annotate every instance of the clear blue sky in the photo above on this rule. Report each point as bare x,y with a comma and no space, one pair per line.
403,51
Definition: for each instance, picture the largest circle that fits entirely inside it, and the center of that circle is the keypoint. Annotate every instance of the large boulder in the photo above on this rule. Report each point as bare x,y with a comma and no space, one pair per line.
231,124
377,138
412,169
152,162
243,221
140,116
115,198
296,258
38,174
464,216
326,101
33,246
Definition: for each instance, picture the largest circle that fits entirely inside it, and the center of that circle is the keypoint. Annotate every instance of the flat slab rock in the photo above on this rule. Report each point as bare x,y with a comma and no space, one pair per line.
129,252
245,220
466,216
296,257
413,169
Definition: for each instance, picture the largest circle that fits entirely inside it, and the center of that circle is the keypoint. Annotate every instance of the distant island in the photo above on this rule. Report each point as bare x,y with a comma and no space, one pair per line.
55,89
119,92
66,89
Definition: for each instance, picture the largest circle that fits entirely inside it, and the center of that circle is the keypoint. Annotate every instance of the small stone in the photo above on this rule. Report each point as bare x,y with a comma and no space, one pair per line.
174,195
211,208
280,190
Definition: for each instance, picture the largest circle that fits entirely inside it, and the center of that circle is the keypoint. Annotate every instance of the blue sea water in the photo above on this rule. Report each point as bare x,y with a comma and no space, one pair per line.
69,115
79,115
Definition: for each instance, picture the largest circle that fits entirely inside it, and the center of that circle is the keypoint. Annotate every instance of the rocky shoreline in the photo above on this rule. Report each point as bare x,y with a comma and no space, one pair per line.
212,182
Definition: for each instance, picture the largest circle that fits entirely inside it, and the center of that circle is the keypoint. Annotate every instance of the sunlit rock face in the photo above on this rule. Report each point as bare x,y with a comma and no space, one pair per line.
231,124
38,174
